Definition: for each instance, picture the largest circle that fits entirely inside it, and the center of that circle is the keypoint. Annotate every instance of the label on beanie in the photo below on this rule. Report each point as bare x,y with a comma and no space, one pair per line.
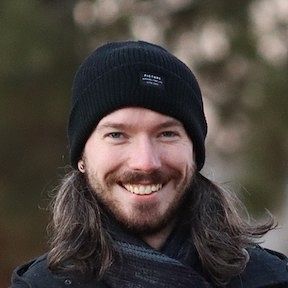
153,80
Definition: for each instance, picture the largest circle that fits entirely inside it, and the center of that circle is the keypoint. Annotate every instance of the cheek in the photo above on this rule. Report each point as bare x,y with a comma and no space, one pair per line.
180,157
101,160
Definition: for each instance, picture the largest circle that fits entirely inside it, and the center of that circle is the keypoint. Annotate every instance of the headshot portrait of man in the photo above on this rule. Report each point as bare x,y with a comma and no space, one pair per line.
134,210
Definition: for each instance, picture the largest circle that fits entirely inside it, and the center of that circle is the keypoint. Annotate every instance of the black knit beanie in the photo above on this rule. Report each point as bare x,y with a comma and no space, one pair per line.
134,74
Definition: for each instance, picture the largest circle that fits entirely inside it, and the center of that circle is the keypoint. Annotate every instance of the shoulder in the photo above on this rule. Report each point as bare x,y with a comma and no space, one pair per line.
35,274
266,268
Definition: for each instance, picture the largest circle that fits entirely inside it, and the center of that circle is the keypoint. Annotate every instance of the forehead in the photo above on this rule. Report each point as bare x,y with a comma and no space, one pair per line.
136,116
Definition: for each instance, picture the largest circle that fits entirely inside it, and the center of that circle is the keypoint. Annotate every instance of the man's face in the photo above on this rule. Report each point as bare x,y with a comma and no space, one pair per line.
139,163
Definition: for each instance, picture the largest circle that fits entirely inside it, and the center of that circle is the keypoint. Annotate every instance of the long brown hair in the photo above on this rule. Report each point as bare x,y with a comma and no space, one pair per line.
220,234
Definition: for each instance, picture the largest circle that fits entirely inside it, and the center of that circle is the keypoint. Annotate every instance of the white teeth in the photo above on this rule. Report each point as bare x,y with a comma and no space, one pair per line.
142,189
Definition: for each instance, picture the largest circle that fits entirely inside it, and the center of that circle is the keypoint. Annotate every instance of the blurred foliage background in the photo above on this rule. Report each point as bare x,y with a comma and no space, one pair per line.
237,49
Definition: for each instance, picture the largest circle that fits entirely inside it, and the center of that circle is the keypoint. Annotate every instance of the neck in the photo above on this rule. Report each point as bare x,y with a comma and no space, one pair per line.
157,239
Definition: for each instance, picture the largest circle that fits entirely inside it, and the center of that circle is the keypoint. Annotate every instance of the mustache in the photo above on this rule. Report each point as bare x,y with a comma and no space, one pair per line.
134,177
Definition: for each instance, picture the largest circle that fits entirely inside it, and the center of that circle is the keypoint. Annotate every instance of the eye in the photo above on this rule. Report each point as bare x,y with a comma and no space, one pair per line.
169,134
115,135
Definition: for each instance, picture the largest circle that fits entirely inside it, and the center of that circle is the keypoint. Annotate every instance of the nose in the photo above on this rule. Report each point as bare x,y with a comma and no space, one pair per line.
145,156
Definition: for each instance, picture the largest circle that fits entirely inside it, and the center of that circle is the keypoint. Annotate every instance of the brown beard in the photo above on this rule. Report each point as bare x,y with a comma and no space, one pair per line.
151,221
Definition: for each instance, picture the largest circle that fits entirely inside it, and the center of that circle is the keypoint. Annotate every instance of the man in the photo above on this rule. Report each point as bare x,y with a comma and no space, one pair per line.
135,210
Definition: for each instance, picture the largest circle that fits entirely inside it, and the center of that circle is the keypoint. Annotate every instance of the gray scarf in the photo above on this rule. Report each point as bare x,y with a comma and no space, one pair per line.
139,265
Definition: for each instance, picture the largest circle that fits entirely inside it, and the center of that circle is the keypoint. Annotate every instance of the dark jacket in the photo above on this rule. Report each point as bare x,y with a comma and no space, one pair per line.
265,269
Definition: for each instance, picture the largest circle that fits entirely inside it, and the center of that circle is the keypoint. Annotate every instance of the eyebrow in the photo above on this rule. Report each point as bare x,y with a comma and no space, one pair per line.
121,126
170,123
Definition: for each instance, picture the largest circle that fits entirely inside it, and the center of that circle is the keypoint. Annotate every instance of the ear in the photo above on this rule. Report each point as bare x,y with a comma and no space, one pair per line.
194,165
81,166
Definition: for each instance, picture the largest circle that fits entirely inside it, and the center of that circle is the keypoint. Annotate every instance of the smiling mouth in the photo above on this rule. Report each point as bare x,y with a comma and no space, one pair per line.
141,189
